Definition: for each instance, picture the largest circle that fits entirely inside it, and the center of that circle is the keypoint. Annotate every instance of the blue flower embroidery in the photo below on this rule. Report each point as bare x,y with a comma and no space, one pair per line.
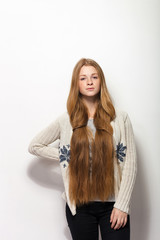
64,165
64,154
120,151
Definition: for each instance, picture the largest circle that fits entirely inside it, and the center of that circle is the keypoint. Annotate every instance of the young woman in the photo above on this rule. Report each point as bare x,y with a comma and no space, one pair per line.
97,156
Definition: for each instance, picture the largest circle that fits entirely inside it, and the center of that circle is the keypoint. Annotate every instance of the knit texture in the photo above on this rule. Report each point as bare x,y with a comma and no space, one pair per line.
125,162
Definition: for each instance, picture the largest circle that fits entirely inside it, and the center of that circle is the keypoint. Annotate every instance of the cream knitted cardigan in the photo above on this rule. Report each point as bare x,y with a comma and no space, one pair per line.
125,162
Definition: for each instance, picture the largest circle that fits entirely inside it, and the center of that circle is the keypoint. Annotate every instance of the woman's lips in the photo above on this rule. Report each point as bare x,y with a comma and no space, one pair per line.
90,88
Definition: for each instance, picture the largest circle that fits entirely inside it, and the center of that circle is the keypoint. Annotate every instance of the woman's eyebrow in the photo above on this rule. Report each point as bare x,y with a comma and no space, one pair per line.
91,74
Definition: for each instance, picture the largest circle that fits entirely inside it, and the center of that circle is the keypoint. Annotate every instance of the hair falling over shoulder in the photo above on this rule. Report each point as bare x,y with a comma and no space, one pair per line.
83,186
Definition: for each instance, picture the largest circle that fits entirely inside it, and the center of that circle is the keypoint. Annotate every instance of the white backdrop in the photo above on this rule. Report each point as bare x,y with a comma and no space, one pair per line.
40,43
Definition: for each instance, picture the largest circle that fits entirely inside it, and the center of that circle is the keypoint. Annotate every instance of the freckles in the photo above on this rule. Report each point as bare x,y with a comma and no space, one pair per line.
80,86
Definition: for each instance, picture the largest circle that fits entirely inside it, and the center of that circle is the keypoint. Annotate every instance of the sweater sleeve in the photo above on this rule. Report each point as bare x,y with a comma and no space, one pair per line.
129,170
39,145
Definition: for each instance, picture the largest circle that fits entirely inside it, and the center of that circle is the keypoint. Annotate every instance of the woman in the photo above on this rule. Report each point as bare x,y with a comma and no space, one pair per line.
97,156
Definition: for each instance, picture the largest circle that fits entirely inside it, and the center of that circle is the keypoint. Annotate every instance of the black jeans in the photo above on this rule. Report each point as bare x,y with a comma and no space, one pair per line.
84,225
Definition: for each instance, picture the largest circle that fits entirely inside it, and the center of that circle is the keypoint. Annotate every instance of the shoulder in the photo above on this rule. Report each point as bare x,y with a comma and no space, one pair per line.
120,113
63,117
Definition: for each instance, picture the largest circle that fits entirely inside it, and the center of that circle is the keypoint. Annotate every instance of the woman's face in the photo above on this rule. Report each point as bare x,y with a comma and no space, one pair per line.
89,81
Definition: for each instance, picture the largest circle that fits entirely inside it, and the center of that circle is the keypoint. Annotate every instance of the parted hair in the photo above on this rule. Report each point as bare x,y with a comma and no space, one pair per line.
83,185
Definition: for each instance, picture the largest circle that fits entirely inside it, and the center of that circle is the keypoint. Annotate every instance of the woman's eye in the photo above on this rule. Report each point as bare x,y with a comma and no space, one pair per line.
95,77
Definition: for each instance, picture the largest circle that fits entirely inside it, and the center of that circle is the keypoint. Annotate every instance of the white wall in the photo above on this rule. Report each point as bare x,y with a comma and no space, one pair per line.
40,42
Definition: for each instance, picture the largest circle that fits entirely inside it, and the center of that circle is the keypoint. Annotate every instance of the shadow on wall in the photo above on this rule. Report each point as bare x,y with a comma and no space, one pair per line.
140,211
47,173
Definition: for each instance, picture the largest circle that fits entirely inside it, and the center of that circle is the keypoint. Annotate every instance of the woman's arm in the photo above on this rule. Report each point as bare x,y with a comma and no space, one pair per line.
129,170
39,144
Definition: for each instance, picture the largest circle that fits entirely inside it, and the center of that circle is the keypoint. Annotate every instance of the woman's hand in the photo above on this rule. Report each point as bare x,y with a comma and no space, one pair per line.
119,218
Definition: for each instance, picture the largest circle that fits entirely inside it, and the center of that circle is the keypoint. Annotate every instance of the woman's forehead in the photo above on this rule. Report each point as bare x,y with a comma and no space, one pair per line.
88,69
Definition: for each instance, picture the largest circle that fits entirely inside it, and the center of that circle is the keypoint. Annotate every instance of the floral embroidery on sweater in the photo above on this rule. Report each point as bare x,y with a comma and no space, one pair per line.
120,151
64,154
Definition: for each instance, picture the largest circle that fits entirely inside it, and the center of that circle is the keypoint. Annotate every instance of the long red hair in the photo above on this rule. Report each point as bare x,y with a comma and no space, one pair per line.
82,186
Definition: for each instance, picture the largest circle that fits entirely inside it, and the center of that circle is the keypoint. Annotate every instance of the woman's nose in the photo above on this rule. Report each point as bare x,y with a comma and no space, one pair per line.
89,81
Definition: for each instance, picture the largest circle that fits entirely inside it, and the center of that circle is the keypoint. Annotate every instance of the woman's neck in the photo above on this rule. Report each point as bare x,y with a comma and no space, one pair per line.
91,104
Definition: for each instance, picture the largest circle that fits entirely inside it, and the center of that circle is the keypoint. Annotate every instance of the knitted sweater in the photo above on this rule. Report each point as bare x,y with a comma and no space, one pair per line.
125,162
